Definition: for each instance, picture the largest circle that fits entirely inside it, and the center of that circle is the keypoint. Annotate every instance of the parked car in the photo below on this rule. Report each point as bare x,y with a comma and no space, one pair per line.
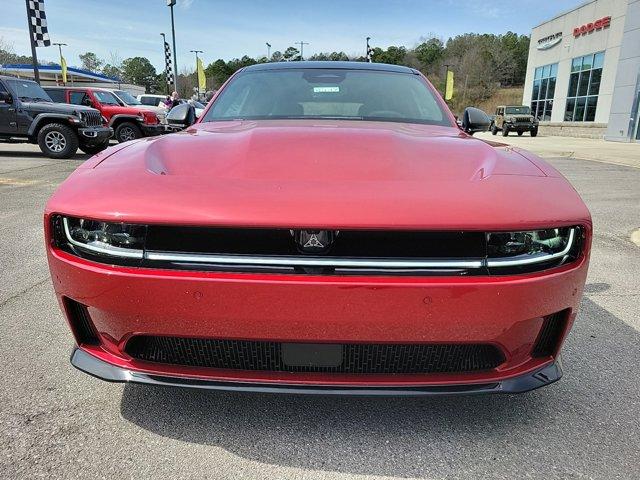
126,99
27,114
157,100
324,227
151,100
514,118
128,123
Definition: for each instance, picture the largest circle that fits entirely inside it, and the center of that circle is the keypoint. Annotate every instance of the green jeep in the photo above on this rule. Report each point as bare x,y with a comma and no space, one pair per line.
513,118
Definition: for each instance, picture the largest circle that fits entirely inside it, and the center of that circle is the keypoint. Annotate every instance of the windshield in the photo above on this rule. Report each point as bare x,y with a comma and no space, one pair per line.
127,98
106,98
29,91
517,110
328,94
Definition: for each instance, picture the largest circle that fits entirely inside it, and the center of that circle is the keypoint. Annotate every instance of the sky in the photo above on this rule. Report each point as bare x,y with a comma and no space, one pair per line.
232,28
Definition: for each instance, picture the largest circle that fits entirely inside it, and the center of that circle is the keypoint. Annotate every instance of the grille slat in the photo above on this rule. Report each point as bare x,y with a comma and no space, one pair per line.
550,335
92,119
356,358
81,323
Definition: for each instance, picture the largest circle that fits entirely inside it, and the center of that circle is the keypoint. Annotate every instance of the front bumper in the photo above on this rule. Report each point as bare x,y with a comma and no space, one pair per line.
152,130
522,127
95,135
98,368
502,311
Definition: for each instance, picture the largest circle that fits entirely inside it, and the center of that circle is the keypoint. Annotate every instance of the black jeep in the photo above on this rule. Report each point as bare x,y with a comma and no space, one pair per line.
27,114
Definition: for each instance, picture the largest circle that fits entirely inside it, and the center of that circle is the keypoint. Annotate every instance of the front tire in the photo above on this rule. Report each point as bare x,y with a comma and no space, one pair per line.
127,131
505,131
534,132
494,129
93,149
58,141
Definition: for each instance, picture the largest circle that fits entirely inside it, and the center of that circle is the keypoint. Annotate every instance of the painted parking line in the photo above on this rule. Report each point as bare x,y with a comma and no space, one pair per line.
14,182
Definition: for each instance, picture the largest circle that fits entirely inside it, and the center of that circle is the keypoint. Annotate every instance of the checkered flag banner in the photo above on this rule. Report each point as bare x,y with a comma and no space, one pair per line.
168,70
38,23
369,51
369,54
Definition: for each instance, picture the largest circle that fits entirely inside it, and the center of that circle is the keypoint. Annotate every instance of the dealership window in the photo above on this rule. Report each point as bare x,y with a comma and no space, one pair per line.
544,87
584,87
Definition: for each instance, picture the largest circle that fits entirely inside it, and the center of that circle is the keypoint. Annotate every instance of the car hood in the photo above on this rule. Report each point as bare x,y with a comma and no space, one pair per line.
50,107
332,174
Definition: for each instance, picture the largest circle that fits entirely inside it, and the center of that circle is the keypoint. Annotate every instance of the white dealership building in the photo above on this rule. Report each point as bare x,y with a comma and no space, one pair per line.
583,72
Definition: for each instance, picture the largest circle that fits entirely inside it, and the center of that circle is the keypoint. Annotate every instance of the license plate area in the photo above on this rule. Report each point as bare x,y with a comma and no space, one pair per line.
311,354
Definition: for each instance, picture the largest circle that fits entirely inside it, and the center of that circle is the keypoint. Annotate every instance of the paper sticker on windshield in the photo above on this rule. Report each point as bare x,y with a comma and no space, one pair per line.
326,89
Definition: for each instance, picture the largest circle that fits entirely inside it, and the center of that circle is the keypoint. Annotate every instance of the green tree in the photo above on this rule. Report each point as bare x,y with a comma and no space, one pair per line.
139,71
318,57
393,55
112,71
218,71
291,54
430,52
338,57
90,61
276,56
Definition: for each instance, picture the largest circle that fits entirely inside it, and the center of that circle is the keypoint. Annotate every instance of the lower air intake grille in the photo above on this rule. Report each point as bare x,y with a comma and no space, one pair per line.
356,358
550,334
81,323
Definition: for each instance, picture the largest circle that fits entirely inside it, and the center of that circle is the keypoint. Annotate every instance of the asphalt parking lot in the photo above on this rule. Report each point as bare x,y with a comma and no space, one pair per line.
56,422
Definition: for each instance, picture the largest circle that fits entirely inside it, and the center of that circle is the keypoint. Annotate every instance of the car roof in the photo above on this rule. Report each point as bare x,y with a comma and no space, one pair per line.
379,67
74,87
11,77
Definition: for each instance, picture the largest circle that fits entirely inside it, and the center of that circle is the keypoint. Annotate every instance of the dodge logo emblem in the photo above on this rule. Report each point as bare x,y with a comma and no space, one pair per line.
314,241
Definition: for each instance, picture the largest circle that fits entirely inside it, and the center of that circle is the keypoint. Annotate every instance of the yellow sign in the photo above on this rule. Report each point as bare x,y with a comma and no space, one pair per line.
448,92
63,66
202,80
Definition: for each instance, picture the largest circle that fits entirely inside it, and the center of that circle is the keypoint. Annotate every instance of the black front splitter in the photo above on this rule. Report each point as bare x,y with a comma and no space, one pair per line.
105,371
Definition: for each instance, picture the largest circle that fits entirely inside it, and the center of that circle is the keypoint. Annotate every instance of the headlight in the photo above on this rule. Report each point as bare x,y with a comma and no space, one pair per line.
507,249
101,238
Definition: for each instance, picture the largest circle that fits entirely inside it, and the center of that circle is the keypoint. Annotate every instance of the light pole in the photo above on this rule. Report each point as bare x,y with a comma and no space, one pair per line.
60,50
302,44
196,52
170,4
268,51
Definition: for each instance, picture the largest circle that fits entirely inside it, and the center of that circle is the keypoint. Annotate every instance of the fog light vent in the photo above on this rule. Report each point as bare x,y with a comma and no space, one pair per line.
550,335
81,324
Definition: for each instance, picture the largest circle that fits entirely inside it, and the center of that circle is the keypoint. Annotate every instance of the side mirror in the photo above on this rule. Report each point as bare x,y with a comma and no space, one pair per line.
6,97
475,120
183,115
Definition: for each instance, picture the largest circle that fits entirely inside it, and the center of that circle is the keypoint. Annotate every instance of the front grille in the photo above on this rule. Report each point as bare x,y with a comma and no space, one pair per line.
92,119
356,358
348,243
550,334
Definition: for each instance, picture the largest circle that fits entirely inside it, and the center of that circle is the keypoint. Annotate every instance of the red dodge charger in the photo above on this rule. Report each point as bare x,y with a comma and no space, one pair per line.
324,227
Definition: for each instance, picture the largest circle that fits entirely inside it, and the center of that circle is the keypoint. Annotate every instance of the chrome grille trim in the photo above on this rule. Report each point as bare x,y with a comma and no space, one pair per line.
311,261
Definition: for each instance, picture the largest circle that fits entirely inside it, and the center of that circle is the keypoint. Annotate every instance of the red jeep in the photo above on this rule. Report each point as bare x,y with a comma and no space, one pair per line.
128,123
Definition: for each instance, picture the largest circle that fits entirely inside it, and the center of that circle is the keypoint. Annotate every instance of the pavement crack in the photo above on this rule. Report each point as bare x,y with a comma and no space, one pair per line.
22,292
